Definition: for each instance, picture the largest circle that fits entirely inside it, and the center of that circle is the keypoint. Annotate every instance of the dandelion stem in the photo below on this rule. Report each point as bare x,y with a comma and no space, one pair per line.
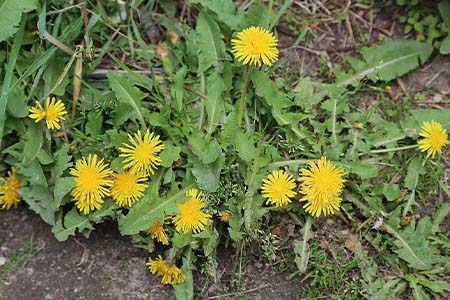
304,248
241,104
335,143
394,149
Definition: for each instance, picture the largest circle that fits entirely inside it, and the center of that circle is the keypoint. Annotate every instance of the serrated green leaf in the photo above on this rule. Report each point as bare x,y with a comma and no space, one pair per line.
170,154
437,286
34,173
364,170
11,12
445,46
224,10
62,187
415,168
439,216
44,157
143,214
107,210
129,99
177,88
94,123
34,141
62,161
208,175
391,191
9,69
211,48
214,102
244,145
256,15
185,289
227,134
181,240
387,61
413,246
17,103
278,101
204,148
72,221
439,115
39,199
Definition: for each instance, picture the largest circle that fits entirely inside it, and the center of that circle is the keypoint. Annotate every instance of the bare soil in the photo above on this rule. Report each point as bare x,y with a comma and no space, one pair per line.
106,266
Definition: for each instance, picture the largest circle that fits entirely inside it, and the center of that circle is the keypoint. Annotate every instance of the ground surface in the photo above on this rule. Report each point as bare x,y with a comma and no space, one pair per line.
107,266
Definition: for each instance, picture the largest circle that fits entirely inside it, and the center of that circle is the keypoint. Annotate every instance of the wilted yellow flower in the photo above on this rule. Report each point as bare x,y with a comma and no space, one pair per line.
255,45
321,186
171,274
91,183
9,190
53,113
142,155
127,188
157,232
278,187
435,137
191,216
225,216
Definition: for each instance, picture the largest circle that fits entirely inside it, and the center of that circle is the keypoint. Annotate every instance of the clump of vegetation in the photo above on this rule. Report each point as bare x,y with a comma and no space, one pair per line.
186,138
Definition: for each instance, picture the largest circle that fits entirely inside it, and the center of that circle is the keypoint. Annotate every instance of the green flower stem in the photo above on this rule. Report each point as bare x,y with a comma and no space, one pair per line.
394,149
241,103
304,245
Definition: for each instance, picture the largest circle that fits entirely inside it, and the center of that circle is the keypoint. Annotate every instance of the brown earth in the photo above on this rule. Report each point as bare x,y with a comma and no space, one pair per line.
106,266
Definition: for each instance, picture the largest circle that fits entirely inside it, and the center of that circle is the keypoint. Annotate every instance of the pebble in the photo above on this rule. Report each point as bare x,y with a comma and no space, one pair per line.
2,260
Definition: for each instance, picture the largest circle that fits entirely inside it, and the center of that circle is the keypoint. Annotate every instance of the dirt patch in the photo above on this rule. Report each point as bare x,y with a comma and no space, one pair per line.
106,266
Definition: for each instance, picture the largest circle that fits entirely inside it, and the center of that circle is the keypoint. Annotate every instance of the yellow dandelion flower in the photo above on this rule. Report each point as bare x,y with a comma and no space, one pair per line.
53,113
91,183
321,186
191,216
37,113
127,188
278,188
9,190
254,45
171,274
435,137
157,232
142,155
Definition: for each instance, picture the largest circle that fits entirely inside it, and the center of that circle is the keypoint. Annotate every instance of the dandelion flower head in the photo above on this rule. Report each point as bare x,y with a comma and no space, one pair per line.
9,190
191,216
434,138
278,188
255,46
127,188
91,183
53,113
157,232
171,274
141,155
321,185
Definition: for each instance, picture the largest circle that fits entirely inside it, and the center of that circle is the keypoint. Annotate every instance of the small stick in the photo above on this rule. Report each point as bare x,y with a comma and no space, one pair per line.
238,293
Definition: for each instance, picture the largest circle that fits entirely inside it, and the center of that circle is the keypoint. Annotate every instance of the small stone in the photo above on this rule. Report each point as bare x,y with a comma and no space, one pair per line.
2,260
437,97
